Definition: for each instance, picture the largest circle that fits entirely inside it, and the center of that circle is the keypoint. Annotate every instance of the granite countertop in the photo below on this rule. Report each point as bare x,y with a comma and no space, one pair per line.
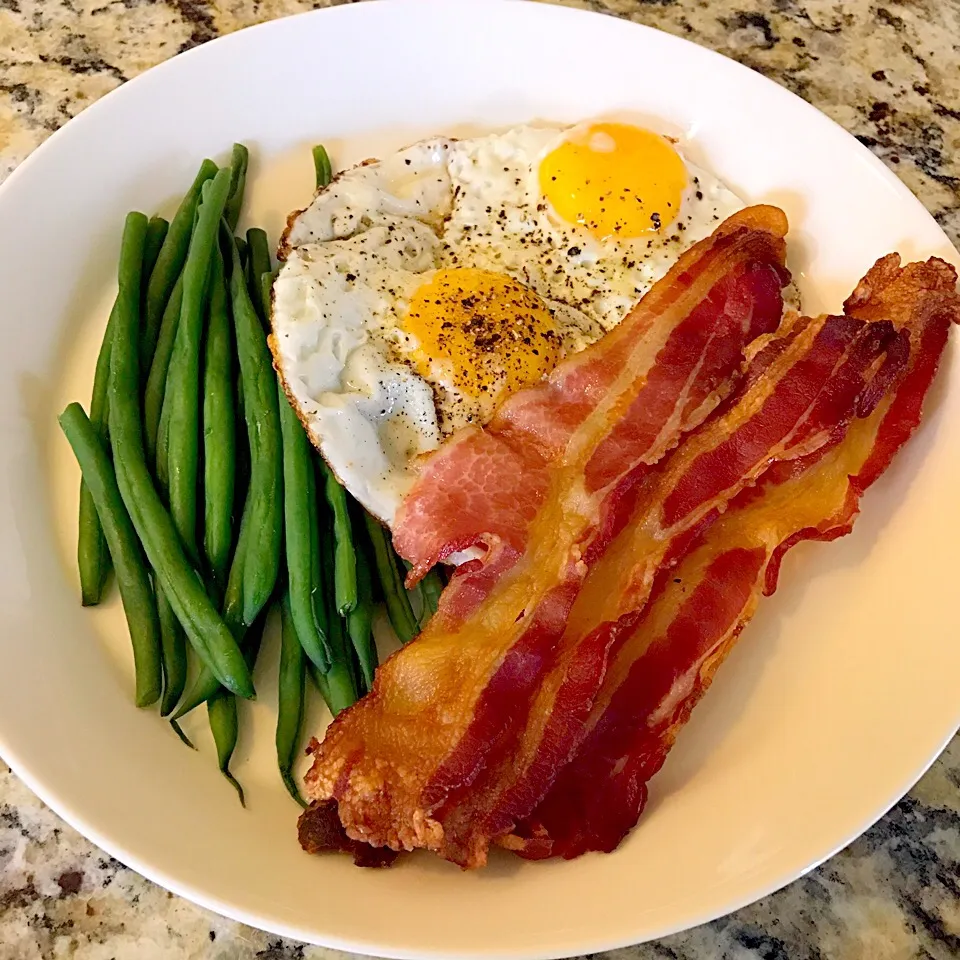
888,72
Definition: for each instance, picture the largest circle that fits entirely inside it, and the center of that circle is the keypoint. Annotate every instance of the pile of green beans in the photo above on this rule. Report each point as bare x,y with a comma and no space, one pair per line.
202,491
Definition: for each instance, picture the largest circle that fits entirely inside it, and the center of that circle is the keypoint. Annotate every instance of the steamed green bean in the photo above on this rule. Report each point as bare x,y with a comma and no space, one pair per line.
170,261
321,166
93,558
345,558
239,160
360,618
219,437
307,606
256,560
290,694
206,631
156,386
183,378
394,593
136,593
222,710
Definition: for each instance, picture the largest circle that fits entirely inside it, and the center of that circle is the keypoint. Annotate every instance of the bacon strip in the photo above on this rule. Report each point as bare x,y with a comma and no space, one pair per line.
664,659
621,403
440,707
800,393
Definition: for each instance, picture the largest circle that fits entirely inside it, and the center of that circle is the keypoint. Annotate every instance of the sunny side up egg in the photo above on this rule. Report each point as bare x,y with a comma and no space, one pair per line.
418,291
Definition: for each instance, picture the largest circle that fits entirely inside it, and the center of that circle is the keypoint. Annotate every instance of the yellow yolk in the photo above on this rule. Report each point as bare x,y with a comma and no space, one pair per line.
485,332
615,179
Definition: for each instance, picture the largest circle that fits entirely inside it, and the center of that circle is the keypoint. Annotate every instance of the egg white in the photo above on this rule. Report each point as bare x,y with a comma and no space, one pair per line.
368,241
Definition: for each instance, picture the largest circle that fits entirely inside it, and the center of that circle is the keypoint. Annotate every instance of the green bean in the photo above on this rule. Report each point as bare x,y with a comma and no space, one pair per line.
242,469
338,687
307,605
93,558
360,618
244,454
427,591
161,461
136,593
341,686
242,250
256,559
239,159
206,685
265,518
170,260
321,165
100,398
266,296
341,677
222,715
183,378
242,447
316,577
154,392
222,710
233,598
157,229
92,554
431,586
319,681
172,639
258,263
219,438
174,649
184,739
394,594
205,630
345,559
290,691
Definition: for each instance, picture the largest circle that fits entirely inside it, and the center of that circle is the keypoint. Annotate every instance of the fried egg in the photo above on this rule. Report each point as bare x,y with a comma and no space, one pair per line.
419,291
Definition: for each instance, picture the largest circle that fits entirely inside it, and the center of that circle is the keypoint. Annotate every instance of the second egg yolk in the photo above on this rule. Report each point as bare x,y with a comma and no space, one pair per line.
487,333
615,179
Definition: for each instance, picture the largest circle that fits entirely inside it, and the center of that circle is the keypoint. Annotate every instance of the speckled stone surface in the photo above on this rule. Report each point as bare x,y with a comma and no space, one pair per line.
887,71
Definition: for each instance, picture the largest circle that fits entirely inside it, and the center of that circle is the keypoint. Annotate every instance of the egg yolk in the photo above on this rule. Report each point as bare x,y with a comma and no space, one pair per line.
487,333
615,179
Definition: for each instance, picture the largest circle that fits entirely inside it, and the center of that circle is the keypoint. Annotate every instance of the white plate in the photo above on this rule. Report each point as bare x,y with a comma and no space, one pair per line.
839,695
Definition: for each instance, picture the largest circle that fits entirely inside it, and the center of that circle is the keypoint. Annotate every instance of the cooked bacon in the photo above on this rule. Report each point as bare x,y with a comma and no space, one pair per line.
803,397
526,715
622,402
319,831
443,706
663,659
797,401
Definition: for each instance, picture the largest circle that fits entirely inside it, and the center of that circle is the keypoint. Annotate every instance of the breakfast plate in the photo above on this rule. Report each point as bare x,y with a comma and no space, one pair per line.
837,699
